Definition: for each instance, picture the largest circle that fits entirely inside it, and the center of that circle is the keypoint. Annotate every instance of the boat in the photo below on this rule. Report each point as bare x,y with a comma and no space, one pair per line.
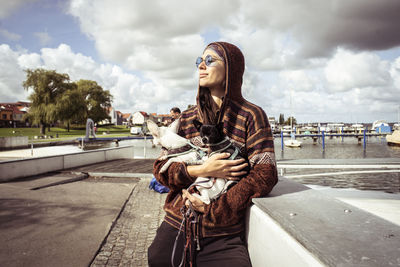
378,123
357,127
292,143
394,138
306,132
325,129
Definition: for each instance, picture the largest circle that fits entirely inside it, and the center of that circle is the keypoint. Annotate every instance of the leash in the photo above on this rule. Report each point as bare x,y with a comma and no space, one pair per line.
190,221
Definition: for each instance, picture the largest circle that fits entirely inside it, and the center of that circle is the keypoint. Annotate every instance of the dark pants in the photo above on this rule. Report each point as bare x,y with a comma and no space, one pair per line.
222,251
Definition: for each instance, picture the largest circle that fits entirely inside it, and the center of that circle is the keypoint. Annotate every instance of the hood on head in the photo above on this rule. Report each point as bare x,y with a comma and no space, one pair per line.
209,112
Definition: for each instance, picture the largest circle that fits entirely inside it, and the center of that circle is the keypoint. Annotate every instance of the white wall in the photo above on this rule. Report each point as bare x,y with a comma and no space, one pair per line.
13,141
270,245
10,170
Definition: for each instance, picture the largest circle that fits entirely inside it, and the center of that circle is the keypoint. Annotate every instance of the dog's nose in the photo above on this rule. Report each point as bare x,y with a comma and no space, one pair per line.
205,140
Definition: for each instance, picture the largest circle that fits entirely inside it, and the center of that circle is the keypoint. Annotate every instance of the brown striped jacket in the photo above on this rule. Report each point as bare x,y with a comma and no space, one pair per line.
247,126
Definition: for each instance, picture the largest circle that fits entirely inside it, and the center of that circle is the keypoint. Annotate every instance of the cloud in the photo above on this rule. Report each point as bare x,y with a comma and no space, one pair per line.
131,92
395,73
44,37
319,27
349,87
347,70
158,40
298,80
322,53
11,76
29,61
8,7
274,35
9,35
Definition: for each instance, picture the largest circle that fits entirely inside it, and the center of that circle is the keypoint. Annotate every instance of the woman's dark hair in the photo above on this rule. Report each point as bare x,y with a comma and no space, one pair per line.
208,106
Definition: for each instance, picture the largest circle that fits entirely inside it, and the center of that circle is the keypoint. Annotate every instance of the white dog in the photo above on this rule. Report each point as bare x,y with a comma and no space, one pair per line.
181,150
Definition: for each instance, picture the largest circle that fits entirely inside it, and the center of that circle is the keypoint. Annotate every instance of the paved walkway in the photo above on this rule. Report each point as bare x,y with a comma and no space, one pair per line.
135,228
133,232
107,219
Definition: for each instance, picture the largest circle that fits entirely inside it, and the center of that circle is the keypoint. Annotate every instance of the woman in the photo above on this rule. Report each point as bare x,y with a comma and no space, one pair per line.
216,231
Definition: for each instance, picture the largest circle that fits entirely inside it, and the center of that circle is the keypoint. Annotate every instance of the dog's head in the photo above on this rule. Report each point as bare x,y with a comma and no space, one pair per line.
210,134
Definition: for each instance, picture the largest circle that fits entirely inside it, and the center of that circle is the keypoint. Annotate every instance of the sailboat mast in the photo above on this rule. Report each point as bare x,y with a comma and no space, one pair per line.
291,112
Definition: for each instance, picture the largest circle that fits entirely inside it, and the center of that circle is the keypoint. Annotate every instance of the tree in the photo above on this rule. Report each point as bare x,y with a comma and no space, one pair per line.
71,107
281,119
293,122
47,86
97,100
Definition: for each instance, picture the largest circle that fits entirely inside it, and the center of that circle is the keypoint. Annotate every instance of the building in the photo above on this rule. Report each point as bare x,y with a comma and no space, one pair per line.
6,116
139,118
113,115
379,123
12,114
116,117
272,123
125,118
381,126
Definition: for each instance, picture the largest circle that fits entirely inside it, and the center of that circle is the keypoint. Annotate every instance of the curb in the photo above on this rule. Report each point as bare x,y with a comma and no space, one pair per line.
142,176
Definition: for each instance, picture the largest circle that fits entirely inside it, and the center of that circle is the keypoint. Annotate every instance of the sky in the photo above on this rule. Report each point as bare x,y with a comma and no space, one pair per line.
320,61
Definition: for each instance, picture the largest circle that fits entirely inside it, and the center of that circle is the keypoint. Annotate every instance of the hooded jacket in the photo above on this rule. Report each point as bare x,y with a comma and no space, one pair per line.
247,126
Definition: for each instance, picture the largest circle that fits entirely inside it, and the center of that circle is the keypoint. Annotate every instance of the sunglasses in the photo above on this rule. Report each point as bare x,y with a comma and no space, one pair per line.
209,60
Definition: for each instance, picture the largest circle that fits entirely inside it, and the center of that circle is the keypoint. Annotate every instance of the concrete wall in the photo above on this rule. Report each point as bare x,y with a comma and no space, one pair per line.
270,245
13,141
299,226
10,170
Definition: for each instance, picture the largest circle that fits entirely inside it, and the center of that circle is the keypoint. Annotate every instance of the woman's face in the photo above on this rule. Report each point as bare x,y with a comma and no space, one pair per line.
212,76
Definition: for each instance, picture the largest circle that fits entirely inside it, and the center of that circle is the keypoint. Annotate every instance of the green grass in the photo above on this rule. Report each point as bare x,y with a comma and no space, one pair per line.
63,134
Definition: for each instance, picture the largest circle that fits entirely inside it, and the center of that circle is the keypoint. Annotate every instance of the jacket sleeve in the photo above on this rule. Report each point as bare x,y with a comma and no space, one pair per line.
231,207
175,178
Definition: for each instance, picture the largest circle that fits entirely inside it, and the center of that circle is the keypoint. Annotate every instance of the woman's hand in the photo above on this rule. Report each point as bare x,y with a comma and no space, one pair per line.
219,167
197,204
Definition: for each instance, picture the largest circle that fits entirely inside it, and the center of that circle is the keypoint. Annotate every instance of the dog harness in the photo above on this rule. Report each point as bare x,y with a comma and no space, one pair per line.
186,150
223,146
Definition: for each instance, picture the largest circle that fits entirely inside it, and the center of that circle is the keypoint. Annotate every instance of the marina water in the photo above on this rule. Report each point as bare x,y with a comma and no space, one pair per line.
335,148
346,148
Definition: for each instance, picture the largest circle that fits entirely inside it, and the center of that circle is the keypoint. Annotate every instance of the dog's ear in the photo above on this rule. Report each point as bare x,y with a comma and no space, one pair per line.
153,128
197,124
174,126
